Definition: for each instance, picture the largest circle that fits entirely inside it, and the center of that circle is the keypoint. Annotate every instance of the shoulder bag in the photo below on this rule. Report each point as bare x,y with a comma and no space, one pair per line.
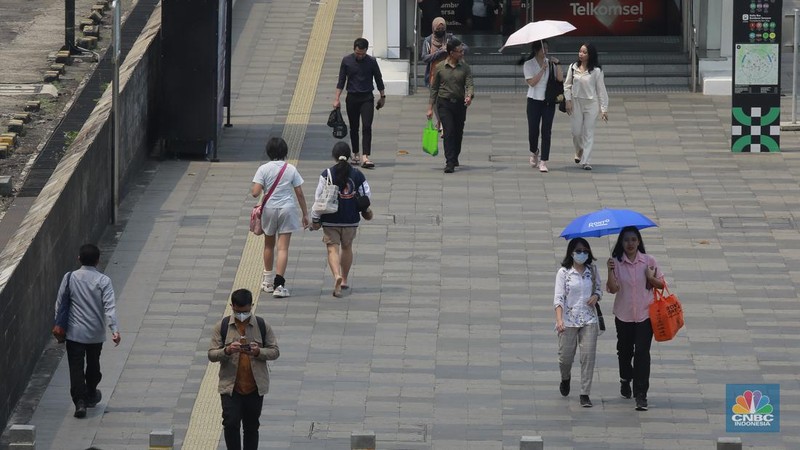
600,321
255,215
328,201
554,90
62,315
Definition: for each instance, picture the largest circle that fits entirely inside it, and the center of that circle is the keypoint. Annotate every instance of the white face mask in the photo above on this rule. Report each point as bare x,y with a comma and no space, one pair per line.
242,316
580,258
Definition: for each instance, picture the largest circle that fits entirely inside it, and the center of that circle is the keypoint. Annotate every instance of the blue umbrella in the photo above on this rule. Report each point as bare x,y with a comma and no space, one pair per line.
605,222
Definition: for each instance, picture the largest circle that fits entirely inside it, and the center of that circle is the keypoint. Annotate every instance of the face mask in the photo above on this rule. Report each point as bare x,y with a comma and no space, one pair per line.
580,258
439,33
242,316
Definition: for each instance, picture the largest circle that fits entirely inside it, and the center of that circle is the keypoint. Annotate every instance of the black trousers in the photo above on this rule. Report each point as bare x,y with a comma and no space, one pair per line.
360,108
540,112
84,370
453,115
633,344
245,410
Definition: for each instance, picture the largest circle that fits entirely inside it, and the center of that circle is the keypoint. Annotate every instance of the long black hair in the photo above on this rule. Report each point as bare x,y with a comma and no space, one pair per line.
592,61
619,250
568,260
341,171
535,47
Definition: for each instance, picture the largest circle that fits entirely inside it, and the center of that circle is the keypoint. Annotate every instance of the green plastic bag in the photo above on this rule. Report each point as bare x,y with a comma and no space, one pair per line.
430,139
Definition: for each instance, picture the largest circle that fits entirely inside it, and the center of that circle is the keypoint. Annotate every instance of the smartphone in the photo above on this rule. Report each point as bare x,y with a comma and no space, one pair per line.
244,346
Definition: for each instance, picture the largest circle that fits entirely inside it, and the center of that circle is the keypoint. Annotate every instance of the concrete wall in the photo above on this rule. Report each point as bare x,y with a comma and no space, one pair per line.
73,208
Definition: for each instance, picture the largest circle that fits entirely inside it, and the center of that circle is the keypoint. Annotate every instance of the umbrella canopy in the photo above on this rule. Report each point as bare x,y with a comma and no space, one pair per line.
604,222
536,31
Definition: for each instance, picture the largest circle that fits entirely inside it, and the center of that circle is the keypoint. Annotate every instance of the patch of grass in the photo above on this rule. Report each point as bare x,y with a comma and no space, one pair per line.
69,138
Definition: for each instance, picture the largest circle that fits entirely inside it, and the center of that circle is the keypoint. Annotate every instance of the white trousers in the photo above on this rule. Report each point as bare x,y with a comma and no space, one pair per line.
583,120
569,340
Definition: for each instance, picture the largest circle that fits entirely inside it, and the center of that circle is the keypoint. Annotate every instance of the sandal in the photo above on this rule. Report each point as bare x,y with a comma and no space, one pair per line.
355,159
367,164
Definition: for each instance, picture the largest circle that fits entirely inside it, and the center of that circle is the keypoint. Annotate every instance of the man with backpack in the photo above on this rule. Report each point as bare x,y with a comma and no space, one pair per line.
242,343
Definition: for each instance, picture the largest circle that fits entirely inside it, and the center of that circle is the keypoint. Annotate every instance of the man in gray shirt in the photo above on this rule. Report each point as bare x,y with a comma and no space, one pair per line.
92,306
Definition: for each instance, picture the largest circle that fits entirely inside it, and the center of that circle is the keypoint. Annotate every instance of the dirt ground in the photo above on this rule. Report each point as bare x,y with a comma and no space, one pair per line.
31,31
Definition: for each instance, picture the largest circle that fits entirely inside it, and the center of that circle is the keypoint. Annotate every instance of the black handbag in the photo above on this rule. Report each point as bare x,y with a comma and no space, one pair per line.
336,121
554,90
600,321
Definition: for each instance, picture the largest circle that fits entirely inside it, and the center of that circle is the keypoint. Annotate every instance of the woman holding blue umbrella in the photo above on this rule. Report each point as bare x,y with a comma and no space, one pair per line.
632,274
578,288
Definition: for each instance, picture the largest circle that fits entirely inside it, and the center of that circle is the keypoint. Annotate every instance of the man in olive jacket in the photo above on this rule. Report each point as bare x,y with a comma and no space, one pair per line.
242,348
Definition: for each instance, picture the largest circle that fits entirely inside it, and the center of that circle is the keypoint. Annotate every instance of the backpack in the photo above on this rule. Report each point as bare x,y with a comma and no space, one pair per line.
226,321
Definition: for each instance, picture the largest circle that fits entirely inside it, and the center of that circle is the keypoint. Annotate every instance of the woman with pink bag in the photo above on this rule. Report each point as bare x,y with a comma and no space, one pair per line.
280,215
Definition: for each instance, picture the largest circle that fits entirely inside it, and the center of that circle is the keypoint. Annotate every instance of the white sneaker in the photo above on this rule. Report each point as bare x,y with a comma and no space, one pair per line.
543,166
266,282
534,160
280,292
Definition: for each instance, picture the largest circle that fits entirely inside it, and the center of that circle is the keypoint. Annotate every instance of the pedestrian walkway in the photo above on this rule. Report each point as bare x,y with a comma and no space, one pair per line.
445,340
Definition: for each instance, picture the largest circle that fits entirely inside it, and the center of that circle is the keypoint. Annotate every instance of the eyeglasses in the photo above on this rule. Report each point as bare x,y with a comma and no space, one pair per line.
582,252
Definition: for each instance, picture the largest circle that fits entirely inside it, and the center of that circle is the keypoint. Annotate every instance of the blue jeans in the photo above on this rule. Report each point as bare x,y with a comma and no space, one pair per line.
540,113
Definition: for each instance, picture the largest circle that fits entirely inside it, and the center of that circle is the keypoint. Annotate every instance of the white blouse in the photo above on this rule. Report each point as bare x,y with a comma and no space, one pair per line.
586,85
572,291
529,70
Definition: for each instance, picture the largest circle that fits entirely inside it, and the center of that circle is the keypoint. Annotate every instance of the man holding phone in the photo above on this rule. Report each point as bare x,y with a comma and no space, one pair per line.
242,346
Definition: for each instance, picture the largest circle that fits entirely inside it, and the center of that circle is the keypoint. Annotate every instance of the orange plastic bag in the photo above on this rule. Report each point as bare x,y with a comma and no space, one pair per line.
666,314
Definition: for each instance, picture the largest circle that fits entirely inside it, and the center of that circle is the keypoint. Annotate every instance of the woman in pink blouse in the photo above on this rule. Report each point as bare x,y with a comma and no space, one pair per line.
578,289
632,274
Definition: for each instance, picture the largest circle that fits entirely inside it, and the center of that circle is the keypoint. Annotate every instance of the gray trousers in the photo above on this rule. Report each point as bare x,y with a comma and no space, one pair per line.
586,338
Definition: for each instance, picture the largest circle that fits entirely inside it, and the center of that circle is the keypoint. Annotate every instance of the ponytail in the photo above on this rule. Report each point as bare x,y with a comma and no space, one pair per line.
341,171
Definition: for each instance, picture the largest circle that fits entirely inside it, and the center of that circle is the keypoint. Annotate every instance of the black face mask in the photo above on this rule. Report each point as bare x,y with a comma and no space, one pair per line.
439,34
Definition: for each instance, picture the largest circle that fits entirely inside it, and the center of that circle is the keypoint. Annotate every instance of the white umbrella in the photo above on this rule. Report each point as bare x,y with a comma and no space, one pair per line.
536,31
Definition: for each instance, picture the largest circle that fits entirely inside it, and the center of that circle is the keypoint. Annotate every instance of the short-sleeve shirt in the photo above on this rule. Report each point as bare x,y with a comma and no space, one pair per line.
632,303
283,196
529,70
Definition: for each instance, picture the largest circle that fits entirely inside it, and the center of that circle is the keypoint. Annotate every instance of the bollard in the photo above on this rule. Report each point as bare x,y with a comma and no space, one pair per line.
22,437
162,439
531,443
729,443
362,440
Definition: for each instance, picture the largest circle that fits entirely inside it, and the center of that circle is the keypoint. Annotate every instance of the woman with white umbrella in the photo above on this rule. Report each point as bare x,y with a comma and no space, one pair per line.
538,70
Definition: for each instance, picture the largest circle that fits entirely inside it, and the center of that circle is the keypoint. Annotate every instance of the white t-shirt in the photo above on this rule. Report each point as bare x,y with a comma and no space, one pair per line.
283,196
529,70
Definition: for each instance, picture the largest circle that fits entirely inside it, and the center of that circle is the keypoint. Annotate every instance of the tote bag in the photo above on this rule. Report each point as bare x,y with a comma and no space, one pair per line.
666,314
328,200
430,139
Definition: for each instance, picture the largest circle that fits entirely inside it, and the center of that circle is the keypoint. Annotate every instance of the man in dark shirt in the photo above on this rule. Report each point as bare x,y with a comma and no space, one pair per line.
452,90
357,71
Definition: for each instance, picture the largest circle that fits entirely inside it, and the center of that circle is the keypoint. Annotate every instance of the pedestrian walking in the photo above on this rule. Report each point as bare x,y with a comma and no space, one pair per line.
284,212
356,73
632,274
339,228
586,97
538,71
242,343
452,90
92,307
578,288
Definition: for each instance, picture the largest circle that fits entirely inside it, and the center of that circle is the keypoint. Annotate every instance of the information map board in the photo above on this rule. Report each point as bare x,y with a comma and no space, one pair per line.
756,100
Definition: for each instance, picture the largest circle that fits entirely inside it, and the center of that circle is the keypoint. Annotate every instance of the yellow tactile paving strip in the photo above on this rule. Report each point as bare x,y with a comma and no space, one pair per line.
205,425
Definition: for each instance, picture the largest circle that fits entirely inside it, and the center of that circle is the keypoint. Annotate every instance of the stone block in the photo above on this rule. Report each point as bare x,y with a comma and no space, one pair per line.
51,75
91,30
104,3
100,9
16,126
88,42
20,433
362,440
162,439
58,67
96,17
33,105
5,152
531,443
64,57
10,139
24,117
85,22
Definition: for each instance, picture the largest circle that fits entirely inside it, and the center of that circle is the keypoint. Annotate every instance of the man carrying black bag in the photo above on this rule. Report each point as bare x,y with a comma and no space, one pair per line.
91,306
